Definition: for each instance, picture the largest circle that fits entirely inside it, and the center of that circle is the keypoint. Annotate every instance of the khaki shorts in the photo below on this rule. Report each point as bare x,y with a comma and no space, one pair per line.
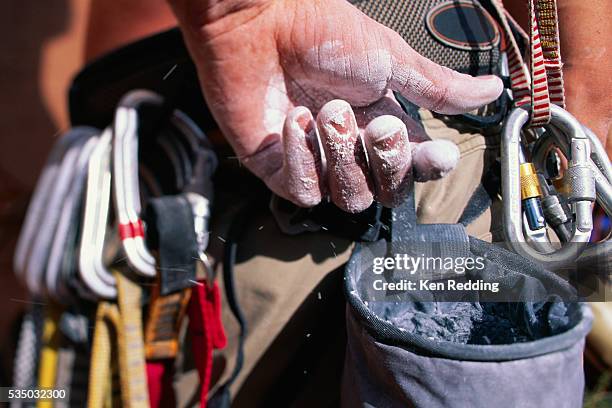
290,289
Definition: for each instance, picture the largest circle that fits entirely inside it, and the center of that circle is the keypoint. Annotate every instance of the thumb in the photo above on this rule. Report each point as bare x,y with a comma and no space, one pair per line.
437,88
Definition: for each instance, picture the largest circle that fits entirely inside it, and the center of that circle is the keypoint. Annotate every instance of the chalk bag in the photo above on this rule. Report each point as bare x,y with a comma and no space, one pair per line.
438,346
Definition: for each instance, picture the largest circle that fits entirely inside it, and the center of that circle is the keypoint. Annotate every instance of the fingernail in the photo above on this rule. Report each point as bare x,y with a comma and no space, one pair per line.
434,159
494,81
340,121
337,114
304,121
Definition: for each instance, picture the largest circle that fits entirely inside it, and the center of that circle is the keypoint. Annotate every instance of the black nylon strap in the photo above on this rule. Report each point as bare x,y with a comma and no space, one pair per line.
483,196
437,240
431,239
170,229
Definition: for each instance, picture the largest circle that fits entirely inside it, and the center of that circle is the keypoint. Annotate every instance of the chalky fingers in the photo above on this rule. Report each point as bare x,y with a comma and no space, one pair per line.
350,187
389,153
302,160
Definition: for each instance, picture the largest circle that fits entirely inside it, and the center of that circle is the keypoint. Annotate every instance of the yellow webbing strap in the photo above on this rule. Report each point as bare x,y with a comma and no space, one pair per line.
132,367
123,322
47,371
107,321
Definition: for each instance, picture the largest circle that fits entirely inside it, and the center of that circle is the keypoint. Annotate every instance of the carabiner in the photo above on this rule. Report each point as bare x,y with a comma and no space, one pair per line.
125,180
125,171
40,248
61,243
582,188
598,161
92,270
40,198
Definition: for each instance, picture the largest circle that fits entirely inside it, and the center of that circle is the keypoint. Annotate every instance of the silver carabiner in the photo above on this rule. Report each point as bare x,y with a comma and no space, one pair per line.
599,162
126,172
582,188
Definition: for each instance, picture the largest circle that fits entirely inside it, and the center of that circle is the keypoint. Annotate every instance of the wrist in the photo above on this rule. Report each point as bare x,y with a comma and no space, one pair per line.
210,18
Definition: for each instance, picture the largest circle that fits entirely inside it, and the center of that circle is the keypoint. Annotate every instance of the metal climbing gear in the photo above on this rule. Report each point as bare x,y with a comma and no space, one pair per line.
537,124
515,183
92,268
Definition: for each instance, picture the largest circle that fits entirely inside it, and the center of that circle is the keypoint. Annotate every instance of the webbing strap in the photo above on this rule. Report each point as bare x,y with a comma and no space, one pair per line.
483,196
107,321
542,84
206,331
73,356
545,59
159,377
72,372
133,376
171,230
47,371
65,363
123,322
164,321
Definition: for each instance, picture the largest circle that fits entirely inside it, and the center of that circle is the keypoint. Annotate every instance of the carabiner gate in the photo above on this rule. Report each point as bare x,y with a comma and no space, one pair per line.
579,175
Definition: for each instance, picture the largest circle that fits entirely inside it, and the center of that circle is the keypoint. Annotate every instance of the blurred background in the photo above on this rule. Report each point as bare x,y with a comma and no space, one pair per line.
42,45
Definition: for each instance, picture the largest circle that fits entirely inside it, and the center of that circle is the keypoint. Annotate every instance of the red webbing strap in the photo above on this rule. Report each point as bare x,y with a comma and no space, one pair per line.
206,331
542,84
540,98
160,382
546,67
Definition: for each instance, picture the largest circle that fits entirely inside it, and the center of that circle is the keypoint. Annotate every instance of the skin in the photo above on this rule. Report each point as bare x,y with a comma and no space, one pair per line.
321,58
303,55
